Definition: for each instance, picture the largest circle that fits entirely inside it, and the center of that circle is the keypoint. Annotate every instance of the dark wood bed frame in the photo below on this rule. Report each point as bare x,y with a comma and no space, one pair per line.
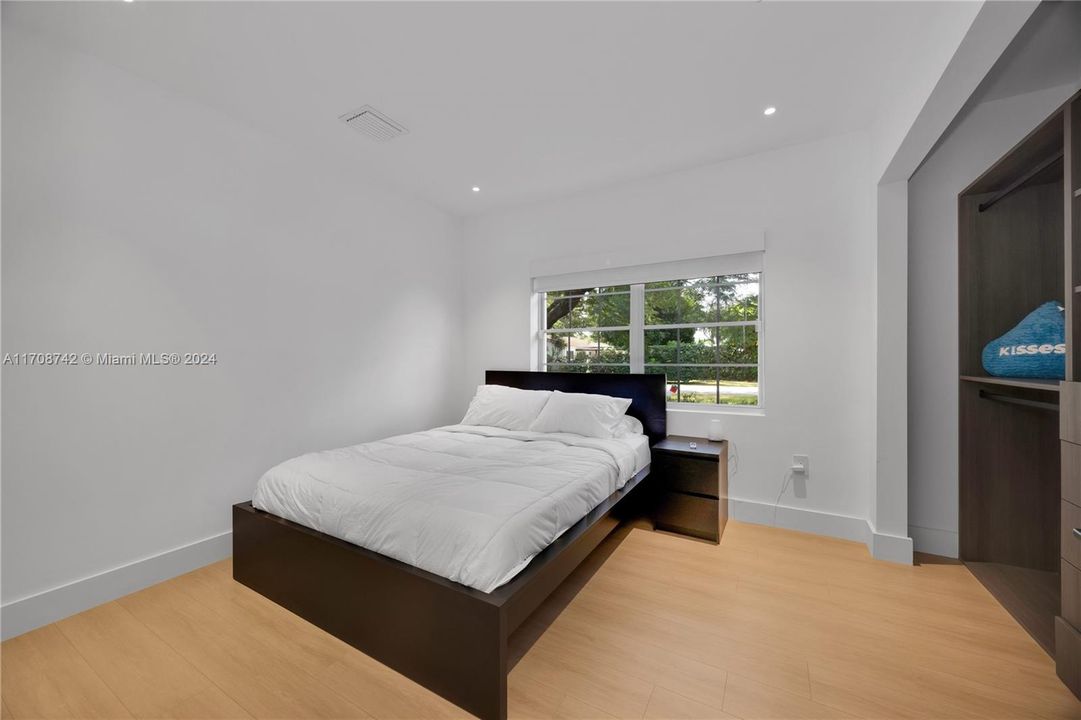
450,638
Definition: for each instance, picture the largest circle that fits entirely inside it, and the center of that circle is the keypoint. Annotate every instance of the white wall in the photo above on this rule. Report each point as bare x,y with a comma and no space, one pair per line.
985,133
889,509
918,110
814,204
135,221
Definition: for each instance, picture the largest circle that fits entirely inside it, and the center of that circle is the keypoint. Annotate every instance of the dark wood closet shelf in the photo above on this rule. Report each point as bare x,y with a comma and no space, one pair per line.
1029,383
1030,596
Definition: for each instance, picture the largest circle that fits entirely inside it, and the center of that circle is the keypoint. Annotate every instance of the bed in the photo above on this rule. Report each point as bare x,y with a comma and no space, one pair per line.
440,611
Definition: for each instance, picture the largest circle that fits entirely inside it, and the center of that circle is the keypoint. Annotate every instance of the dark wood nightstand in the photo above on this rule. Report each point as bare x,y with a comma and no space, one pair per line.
691,485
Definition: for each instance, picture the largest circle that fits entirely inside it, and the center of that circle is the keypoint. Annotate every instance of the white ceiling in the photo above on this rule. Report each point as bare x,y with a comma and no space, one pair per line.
525,100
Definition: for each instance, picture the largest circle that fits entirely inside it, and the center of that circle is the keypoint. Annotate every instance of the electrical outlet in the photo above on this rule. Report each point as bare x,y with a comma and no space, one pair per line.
801,461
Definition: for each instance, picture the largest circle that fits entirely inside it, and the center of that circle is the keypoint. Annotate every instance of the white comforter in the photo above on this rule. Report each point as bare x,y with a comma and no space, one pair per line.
472,504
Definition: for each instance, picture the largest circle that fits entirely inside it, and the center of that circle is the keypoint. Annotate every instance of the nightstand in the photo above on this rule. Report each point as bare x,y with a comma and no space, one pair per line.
691,485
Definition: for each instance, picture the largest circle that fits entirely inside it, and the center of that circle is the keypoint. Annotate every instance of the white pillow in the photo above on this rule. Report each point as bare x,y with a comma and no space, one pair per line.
582,414
505,407
628,427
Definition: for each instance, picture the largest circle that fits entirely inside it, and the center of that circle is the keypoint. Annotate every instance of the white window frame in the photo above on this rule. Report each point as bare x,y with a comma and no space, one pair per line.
721,266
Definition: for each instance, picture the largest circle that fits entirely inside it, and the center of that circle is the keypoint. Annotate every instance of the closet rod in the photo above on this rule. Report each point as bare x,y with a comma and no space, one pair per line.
1021,181
1018,401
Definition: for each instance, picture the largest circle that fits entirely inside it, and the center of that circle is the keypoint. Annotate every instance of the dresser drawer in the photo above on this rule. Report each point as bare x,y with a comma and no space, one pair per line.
1071,472
1070,412
1068,655
1070,543
688,475
1071,593
688,514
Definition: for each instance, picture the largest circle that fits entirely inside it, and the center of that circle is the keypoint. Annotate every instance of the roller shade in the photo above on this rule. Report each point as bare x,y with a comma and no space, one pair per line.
747,262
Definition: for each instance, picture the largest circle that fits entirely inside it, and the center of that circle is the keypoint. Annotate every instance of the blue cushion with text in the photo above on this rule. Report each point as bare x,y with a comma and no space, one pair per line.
1035,348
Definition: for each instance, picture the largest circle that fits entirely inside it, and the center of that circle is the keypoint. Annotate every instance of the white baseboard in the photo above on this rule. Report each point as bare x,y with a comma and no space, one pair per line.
809,521
894,548
33,611
934,541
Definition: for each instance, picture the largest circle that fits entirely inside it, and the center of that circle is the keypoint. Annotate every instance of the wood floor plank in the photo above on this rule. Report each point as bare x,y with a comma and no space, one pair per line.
145,673
667,705
768,624
751,700
532,700
203,704
823,630
261,675
856,688
528,699
576,638
977,678
1023,697
616,694
376,689
571,708
764,582
713,641
939,610
45,676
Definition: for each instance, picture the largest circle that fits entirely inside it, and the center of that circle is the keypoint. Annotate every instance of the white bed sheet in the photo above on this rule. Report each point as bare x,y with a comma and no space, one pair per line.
472,504
640,445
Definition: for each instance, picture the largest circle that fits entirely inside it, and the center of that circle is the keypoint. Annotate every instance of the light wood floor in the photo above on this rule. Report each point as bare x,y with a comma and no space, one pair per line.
770,624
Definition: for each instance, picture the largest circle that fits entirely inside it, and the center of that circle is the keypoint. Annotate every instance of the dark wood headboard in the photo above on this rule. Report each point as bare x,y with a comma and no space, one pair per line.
645,391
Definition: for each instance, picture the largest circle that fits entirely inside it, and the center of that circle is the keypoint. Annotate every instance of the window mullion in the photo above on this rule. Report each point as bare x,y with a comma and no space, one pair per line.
638,343
540,319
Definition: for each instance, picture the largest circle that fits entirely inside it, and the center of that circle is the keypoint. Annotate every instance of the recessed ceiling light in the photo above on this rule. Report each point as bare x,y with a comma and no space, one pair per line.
476,189
769,111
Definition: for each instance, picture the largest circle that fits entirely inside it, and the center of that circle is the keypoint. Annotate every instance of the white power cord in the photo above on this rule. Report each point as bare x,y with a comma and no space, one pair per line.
784,486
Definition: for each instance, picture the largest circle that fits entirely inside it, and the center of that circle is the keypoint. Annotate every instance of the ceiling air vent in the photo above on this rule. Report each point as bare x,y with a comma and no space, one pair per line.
369,121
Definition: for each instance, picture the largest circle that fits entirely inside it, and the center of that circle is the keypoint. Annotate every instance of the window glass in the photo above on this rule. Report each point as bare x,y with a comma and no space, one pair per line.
701,333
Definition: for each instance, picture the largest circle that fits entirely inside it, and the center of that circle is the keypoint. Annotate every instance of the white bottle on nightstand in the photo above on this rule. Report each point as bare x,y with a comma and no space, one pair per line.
716,432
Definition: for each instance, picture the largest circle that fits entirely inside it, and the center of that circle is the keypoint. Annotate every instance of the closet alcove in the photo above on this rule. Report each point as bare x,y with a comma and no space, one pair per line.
1019,248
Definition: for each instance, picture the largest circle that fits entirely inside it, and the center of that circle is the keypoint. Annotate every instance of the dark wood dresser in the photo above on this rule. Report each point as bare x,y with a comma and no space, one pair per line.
691,485
1068,623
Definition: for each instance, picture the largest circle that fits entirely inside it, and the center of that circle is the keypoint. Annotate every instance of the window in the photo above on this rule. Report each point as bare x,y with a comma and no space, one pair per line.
701,333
